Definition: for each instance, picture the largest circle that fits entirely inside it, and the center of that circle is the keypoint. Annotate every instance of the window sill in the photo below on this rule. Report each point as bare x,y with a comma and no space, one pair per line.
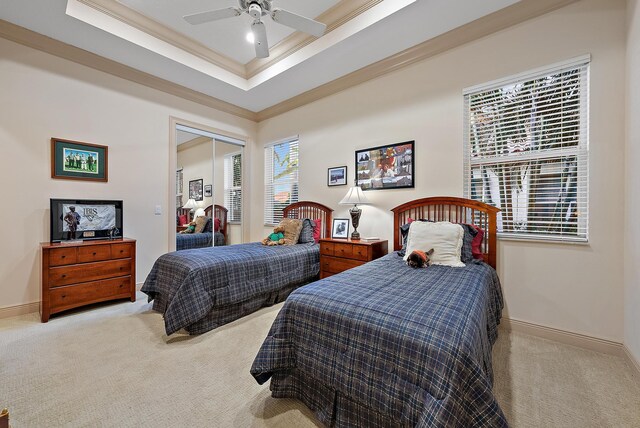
542,239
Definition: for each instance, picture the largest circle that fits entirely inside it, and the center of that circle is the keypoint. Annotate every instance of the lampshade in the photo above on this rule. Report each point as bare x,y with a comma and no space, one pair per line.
355,196
191,204
199,213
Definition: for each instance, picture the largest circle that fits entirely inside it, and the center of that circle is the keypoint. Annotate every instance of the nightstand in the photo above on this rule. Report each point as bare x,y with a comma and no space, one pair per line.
338,255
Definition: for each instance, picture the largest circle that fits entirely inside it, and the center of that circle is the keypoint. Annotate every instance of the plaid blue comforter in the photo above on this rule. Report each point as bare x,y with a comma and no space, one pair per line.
187,285
399,346
190,241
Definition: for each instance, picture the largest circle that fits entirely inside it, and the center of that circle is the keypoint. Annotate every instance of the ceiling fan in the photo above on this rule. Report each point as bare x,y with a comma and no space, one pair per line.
257,9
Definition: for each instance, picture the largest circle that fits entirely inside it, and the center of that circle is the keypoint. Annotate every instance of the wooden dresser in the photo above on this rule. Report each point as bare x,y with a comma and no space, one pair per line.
81,273
338,255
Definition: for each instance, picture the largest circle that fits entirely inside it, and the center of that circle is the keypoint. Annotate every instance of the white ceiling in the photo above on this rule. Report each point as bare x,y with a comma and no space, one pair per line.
376,34
227,36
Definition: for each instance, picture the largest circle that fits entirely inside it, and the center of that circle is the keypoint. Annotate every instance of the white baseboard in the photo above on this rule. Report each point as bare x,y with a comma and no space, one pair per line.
14,311
29,308
566,337
635,364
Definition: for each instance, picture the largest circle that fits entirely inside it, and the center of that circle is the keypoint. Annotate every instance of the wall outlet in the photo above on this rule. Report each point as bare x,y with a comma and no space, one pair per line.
158,210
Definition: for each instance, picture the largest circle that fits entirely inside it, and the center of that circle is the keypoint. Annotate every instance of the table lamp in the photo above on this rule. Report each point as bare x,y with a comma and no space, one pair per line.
355,196
190,205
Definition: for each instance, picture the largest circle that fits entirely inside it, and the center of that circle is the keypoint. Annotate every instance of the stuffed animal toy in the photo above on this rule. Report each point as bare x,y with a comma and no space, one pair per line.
190,229
276,238
419,259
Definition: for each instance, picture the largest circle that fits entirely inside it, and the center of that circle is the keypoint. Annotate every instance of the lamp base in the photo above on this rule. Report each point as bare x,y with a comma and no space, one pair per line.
355,221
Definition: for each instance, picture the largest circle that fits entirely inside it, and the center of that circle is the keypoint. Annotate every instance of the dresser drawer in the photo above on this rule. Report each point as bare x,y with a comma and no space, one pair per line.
326,248
360,252
94,253
343,250
71,296
88,272
334,265
62,256
121,251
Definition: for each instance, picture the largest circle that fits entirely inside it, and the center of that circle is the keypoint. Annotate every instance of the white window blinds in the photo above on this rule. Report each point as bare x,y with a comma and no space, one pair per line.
233,186
526,151
280,178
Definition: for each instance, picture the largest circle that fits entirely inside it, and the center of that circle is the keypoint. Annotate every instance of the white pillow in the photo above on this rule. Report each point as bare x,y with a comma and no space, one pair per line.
444,237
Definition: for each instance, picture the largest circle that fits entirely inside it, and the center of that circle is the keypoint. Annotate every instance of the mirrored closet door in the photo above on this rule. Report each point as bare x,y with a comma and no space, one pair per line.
208,189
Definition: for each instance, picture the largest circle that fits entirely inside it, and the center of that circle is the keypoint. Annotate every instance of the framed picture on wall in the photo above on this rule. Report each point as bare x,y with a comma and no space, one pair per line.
195,190
386,167
74,160
340,228
337,176
208,190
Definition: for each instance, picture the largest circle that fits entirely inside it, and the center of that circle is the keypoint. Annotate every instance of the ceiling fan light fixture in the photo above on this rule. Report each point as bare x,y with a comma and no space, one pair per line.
250,37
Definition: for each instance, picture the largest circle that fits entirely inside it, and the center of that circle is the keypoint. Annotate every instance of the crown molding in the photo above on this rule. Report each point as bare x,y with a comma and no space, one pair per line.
34,40
492,23
192,143
334,17
339,14
160,31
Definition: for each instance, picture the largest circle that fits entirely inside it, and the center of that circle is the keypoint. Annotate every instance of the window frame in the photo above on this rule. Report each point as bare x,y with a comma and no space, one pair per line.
229,157
269,213
580,151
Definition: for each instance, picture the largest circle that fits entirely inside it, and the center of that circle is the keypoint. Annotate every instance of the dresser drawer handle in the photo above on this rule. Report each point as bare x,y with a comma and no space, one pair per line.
121,285
121,251
64,295
63,257
94,254
120,267
64,275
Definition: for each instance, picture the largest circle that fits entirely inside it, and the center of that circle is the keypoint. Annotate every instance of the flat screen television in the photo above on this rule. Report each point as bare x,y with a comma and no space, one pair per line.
85,219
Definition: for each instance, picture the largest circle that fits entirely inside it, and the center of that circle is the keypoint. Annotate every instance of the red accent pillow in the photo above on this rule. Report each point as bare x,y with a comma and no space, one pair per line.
476,244
183,220
216,225
316,230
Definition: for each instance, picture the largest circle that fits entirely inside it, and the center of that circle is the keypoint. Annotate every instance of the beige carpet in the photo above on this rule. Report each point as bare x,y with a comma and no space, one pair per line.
112,366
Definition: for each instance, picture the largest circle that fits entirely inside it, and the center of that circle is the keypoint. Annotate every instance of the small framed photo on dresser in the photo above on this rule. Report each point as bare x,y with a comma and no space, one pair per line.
340,229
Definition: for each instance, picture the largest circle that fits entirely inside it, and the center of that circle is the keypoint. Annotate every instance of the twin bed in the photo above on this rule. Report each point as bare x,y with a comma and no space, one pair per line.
201,289
379,345
385,345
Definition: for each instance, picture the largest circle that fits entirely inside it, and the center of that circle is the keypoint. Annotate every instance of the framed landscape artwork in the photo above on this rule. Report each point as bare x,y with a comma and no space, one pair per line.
74,160
386,167
195,190
337,176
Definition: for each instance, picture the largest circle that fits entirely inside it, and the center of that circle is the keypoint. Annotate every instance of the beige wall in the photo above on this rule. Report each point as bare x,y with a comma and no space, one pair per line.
196,163
632,199
571,287
44,96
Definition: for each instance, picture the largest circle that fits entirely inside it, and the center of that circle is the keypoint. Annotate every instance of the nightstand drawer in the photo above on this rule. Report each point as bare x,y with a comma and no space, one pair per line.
343,250
360,252
326,248
121,251
334,265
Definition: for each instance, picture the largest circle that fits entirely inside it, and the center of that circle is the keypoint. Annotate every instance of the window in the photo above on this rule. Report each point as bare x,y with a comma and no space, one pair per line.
526,151
179,176
280,179
233,186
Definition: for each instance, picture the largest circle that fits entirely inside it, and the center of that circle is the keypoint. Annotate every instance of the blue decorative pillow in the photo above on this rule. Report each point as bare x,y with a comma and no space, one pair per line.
306,234
209,226
466,255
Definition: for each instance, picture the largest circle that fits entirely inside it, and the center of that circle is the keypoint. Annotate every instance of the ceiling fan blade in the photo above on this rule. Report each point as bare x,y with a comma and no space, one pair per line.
298,22
260,36
212,15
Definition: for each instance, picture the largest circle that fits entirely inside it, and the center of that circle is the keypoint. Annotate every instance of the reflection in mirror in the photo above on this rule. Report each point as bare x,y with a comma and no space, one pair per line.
227,187
208,190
